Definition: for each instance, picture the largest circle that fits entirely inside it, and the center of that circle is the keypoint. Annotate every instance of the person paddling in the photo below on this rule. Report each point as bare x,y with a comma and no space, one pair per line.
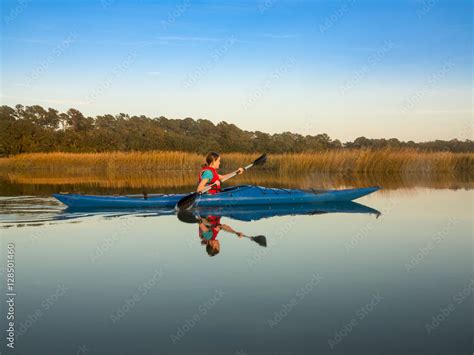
209,174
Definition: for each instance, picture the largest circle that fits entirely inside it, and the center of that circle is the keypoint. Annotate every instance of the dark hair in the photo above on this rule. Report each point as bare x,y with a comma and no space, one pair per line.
211,251
211,156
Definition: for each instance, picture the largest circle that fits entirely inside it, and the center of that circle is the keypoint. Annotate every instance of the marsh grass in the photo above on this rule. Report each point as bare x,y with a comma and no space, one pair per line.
43,183
343,161
122,172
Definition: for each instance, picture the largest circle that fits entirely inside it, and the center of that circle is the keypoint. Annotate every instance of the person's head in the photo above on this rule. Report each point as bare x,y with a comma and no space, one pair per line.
213,247
213,160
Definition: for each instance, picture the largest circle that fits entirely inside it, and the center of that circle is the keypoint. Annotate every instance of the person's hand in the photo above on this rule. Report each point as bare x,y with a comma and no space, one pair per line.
240,171
217,183
240,234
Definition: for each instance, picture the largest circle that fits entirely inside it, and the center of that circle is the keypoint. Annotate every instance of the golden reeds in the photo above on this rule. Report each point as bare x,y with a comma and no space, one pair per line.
344,161
179,181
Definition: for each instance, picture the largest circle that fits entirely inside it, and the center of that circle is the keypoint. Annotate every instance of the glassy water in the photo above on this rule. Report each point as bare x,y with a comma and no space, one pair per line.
341,280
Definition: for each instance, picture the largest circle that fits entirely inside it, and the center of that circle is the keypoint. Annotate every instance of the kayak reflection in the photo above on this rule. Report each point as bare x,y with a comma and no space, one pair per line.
238,213
209,219
49,214
255,213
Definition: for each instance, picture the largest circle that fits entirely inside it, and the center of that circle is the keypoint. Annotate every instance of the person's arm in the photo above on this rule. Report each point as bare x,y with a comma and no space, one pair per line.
239,171
230,230
202,185
203,227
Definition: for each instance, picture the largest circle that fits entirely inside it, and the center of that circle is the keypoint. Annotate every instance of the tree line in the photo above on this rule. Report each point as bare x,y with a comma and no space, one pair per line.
27,129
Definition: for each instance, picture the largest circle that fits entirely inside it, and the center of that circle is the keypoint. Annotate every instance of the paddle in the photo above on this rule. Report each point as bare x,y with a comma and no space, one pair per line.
188,217
259,239
187,201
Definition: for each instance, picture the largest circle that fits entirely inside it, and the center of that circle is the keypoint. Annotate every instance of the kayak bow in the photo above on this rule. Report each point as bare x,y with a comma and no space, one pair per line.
244,195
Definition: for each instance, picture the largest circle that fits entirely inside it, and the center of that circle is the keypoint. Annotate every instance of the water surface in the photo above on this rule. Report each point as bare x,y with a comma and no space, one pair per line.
140,282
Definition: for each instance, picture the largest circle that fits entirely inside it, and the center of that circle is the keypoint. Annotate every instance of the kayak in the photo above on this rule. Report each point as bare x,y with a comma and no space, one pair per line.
243,195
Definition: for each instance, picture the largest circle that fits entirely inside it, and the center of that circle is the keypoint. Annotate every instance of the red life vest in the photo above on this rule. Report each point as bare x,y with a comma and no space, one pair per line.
215,222
215,177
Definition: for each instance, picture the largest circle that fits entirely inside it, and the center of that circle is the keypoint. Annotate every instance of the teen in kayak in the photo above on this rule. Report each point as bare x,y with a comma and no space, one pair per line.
209,174
209,228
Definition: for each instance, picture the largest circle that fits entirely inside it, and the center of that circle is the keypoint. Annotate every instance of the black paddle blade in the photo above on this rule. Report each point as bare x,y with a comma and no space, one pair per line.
187,217
260,160
260,240
187,201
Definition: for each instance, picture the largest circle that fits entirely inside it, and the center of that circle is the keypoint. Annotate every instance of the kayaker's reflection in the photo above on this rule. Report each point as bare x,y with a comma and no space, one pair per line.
209,228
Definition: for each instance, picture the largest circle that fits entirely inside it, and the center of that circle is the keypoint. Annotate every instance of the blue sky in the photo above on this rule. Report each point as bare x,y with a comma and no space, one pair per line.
347,68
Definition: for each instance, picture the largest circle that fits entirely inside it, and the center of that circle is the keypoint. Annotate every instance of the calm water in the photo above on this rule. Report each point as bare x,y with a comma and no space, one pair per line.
327,283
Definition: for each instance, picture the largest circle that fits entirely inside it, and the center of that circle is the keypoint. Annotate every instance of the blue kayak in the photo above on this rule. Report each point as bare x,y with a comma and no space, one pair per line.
245,195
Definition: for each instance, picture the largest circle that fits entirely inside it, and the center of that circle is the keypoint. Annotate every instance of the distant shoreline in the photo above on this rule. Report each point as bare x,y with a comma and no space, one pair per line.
34,129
